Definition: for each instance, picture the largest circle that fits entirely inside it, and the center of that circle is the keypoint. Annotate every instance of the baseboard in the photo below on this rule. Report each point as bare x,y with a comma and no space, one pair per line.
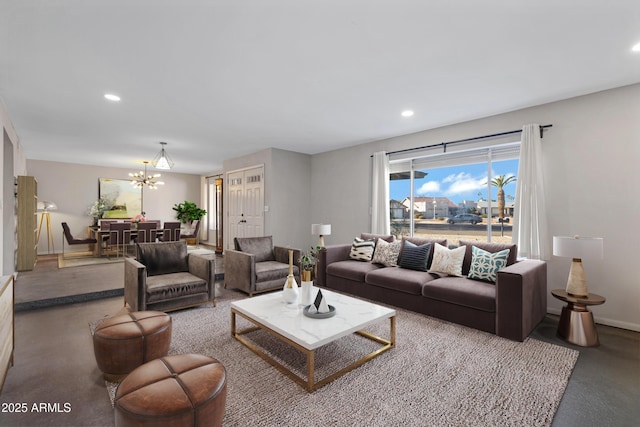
604,321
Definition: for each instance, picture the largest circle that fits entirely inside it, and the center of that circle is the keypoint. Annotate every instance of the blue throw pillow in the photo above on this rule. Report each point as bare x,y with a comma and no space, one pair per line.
415,257
485,265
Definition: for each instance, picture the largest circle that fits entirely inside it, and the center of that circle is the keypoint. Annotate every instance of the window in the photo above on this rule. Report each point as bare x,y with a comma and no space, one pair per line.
462,195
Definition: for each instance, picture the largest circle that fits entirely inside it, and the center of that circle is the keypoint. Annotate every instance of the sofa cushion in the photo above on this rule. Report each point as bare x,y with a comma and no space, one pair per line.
361,249
462,291
489,247
386,253
419,241
164,257
415,257
485,265
399,279
447,261
352,270
174,285
261,247
272,270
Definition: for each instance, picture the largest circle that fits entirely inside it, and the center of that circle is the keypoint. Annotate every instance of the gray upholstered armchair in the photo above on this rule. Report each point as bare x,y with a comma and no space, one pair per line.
165,277
257,266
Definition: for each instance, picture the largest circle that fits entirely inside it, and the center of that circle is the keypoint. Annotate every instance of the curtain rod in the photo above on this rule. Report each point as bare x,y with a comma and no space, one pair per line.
475,138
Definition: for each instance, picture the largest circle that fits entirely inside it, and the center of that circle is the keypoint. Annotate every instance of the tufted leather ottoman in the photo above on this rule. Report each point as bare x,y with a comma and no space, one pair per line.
122,343
181,390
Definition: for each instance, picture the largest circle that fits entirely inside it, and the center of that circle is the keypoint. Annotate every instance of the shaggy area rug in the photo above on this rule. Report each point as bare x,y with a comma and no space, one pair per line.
439,374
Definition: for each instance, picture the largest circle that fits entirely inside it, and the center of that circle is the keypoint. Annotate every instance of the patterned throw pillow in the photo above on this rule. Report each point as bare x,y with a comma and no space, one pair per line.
387,253
415,257
448,261
362,250
485,265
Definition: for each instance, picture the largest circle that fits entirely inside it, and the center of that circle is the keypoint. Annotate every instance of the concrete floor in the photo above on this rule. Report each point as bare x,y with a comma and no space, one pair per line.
55,366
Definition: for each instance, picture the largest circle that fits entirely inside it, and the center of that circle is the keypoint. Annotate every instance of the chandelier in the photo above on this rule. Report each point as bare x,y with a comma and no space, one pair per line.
162,159
141,179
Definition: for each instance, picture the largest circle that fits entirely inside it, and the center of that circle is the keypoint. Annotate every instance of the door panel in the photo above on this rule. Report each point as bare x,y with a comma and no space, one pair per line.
245,198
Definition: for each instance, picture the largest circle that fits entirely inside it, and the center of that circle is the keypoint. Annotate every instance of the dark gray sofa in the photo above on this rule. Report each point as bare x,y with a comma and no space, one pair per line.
510,308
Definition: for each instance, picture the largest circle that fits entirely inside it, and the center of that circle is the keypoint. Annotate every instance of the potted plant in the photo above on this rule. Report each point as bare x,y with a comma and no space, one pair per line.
307,262
188,212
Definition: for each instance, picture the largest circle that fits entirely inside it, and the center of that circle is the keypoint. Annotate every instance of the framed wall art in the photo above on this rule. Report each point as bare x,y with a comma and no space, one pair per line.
125,199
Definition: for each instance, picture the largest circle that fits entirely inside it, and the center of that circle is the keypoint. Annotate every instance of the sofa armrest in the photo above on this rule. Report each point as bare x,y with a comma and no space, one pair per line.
281,254
135,283
239,270
328,255
204,268
521,298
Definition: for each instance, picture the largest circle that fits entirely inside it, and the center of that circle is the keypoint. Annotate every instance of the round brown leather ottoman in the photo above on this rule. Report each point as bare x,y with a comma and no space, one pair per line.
181,390
122,343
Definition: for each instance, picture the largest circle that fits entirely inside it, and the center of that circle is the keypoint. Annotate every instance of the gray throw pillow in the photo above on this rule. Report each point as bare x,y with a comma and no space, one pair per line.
415,257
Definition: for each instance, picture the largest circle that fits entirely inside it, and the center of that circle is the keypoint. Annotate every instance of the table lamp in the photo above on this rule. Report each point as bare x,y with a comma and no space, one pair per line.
578,248
321,230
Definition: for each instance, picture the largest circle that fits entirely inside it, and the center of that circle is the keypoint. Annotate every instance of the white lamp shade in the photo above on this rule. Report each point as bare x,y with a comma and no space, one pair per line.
578,247
321,229
46,205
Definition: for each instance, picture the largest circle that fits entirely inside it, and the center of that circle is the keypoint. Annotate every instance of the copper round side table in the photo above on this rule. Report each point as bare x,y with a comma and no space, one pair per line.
576,321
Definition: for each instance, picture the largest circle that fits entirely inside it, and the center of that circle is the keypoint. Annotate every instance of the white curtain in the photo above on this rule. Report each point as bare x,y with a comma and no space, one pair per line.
380,194
530,231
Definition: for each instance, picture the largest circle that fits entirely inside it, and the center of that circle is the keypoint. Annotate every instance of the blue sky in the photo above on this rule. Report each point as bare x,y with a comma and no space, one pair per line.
458,183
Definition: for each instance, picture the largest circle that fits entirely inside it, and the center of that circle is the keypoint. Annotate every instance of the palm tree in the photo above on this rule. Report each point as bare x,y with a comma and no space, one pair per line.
500,182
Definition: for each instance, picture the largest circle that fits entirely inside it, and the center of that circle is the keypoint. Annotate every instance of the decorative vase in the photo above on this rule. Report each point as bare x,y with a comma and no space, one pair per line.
290,290
305,276
306,298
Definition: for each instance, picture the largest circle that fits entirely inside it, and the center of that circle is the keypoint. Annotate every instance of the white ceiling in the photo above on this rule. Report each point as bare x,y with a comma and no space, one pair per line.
219,79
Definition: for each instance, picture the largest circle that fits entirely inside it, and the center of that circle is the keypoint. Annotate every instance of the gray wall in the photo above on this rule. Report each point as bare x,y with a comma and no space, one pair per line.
590,156
287,180
74,188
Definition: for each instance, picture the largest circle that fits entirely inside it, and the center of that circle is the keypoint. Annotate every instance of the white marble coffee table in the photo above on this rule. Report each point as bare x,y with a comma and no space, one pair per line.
287,322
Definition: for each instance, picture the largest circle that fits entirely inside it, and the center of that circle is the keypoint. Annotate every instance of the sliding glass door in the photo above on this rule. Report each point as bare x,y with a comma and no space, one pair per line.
461,196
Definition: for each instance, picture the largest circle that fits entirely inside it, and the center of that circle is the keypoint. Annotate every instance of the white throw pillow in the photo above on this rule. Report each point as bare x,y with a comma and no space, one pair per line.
362,250
387,253
448,261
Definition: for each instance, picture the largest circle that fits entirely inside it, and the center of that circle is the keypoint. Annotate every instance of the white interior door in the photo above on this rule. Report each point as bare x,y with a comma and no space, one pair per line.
253,203
245,198
234,204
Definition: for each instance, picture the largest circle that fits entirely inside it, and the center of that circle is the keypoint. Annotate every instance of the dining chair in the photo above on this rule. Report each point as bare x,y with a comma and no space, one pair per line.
147,232
120,236
194,233
171,231
72,240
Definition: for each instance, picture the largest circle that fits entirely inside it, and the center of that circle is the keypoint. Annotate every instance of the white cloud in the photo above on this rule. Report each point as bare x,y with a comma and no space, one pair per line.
464,183
427,188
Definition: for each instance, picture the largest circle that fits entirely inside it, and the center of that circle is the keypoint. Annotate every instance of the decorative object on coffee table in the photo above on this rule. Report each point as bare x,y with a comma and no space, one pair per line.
290,290
307,262
577,248
319,309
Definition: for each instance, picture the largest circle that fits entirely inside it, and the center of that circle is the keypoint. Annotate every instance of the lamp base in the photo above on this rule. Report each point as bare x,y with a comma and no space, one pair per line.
577,284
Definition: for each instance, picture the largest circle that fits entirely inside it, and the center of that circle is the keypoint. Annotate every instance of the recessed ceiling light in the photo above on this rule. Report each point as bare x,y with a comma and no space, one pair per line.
407,113
636,47
112,97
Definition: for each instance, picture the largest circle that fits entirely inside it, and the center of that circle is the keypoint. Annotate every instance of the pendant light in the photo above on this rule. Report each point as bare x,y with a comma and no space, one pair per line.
162,159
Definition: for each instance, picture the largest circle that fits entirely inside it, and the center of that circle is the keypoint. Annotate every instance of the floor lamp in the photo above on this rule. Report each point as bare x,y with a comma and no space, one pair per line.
46,206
